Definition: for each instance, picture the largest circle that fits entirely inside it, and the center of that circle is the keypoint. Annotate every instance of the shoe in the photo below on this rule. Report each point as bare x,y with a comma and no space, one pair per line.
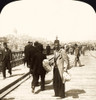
10,75
32,91
75,66
56,95
81,65
33,88
62,97
42,89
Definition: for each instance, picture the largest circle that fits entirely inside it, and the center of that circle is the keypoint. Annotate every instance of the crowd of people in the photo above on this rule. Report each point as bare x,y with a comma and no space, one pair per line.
34,56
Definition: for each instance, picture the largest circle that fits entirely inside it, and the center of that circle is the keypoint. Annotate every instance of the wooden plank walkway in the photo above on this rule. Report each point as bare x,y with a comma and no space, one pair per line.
81,87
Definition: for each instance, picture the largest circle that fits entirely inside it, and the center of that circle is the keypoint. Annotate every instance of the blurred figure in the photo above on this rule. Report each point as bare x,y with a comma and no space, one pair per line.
48,49
83,50
27,53
77,55
38,69
31,52
6,58
67,49
71,50
57,41
36,45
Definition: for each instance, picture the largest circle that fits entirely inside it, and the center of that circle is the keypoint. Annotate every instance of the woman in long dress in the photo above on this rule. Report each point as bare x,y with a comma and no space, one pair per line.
60,57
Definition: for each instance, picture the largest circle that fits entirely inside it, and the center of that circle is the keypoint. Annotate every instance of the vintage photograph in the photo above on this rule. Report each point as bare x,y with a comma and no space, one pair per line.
47,50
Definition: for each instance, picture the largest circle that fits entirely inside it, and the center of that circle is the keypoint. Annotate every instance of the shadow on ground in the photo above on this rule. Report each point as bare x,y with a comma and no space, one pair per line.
48,81
70,67
74,93
48,87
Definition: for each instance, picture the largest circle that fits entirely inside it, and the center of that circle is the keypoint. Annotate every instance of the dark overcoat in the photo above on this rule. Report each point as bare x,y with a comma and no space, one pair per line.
38,66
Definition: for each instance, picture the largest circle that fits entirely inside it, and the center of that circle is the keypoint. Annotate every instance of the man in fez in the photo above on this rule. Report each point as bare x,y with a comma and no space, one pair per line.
56,41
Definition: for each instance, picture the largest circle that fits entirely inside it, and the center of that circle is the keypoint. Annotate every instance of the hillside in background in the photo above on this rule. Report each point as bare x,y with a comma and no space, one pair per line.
18,42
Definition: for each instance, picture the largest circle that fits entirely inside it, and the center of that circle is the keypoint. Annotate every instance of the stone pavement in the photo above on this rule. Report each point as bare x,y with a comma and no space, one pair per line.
81,87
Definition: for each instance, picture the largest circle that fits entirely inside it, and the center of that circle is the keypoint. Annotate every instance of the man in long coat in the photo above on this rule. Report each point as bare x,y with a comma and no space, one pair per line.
6,58
60,58
38,69
27,54
32,52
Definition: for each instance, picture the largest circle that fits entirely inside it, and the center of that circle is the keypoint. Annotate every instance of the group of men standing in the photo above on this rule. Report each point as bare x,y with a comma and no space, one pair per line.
33,57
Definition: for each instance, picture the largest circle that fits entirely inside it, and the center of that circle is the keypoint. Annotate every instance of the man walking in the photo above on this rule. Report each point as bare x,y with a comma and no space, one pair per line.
48,49
77,55
6,58
38,69
27,53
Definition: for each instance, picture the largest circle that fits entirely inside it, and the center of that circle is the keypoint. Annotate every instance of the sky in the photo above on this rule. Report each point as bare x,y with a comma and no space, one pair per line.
68,19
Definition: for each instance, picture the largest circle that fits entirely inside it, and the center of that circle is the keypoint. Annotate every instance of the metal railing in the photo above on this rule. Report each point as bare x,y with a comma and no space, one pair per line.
17,59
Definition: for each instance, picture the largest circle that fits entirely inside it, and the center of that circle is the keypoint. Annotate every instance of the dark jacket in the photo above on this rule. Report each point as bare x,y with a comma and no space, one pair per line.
27,50
6,55
48,49
32,52
38,66
77,52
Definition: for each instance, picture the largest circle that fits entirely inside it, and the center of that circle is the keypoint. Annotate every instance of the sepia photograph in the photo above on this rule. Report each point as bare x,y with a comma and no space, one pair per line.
47,50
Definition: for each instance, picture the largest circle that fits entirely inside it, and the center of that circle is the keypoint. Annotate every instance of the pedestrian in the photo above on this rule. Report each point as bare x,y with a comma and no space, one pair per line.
56,41
38,69
48,49
27,53
60,57
77,55
31,52
6,58
36,46
83,50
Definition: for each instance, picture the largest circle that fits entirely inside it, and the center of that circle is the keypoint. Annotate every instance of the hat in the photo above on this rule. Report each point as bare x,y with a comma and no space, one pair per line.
28,41
75,45
5,43
36,43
